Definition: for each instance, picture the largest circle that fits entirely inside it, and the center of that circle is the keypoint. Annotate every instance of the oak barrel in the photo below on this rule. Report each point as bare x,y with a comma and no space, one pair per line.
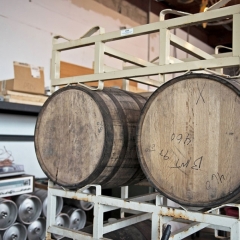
88,137
188,140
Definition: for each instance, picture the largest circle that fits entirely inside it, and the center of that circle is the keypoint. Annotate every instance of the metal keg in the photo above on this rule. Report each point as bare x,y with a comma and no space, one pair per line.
62,220
16,232
8,213
42,194
86,206
29,208
37,229
77,217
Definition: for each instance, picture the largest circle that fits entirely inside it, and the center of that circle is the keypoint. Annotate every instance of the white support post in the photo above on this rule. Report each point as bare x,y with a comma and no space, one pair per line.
125,82
236,35
235,231
51,209
164,50
98,221
157,230
55,67
98,57
99,62
164,47
124,195
124,192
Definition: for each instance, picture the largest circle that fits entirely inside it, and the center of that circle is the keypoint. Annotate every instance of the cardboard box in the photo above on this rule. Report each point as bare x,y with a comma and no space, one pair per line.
26,79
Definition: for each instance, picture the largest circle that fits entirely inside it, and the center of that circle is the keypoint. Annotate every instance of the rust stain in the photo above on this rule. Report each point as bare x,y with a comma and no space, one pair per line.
77,198
173,213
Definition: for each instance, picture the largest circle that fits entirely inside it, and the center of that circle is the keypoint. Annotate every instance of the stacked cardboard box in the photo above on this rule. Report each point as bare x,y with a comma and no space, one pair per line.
26,87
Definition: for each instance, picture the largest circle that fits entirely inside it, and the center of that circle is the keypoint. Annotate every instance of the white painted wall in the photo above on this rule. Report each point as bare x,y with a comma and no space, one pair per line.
27,28
22,153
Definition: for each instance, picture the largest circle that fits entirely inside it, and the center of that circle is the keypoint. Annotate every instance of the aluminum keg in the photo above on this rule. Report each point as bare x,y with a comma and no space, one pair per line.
62,220
37,229
29,208
16,232
8,213
42,194
77,217
86,206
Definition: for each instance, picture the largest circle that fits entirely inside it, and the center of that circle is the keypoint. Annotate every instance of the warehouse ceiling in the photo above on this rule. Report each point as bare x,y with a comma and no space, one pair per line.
220,34
212,35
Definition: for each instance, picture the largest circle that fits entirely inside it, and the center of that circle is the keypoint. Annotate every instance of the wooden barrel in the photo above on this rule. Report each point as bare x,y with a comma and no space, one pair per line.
84,137
146,94
188,140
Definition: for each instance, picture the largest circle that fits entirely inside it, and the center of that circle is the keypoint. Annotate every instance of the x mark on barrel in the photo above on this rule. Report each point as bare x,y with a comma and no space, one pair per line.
200,93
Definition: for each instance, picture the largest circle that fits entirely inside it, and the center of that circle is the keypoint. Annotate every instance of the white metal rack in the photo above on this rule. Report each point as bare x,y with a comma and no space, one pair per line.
142,69
159,213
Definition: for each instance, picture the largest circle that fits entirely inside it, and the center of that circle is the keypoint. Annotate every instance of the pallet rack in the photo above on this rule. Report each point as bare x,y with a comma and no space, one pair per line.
140,71
158,212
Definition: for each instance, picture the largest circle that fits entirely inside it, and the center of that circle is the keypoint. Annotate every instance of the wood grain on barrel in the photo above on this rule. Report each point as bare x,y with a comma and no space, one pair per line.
85,137
189,140
69,135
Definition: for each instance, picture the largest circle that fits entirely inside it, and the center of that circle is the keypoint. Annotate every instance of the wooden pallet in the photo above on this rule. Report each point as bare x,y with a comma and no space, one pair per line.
24,98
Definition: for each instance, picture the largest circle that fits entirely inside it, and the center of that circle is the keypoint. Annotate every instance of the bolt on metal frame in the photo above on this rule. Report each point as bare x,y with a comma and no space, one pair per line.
142,69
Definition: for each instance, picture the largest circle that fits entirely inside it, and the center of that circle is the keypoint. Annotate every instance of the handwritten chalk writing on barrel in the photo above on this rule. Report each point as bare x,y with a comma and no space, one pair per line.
151,148
180,138
100,126
215,179
164,154
196,165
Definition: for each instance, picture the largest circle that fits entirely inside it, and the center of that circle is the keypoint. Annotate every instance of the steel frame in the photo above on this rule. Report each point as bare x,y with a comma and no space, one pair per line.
159,213
143,69
140,71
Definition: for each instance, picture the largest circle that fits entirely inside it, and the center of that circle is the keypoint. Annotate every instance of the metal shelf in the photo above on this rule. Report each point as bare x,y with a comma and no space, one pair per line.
17,108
